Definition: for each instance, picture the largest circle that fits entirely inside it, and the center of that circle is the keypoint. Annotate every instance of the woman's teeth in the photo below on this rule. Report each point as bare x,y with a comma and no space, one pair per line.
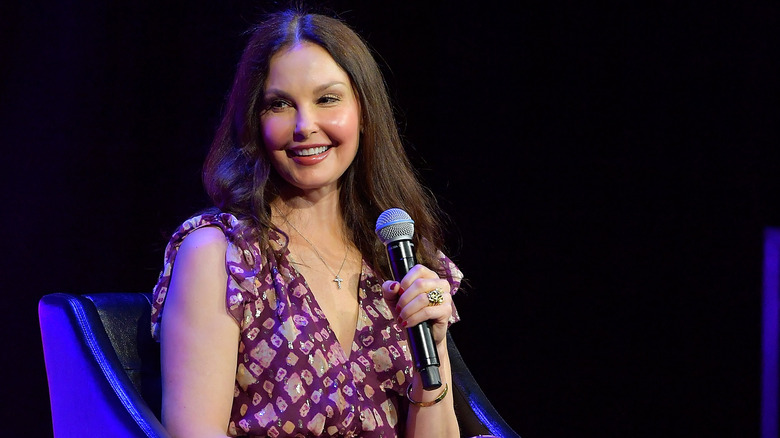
310,151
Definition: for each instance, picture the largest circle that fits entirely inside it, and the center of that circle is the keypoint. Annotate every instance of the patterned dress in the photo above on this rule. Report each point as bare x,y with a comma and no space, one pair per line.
293,377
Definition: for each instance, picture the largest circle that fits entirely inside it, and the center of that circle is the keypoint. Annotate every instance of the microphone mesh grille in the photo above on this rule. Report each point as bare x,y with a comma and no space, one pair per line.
394,223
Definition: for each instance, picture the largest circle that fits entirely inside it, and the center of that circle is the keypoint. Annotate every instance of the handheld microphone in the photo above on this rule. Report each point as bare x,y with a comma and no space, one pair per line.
395,229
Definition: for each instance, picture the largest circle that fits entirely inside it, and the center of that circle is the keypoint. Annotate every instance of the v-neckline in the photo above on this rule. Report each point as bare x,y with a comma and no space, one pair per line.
361,282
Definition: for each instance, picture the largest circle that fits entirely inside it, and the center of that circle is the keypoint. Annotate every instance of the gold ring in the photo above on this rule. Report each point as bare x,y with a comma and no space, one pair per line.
435,297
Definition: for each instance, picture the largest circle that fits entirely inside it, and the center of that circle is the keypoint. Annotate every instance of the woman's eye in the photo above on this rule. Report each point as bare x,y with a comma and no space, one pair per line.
277,105
330,98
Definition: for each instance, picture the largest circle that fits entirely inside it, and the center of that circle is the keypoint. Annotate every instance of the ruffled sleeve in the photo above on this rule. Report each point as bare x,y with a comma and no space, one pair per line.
450,272
241,265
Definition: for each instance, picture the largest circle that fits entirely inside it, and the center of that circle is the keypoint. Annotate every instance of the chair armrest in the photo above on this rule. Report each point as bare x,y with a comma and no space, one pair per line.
476,415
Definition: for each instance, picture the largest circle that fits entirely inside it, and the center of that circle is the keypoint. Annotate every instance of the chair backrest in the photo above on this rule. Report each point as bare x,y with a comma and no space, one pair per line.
104,370
103,367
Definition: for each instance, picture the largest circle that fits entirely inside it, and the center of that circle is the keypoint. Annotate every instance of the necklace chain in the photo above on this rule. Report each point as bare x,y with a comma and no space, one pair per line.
336,278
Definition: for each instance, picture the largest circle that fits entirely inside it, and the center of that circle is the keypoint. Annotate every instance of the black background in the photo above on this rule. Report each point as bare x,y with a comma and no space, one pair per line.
609,171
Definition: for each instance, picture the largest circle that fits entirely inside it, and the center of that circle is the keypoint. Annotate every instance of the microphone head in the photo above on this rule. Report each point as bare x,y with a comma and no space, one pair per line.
394,224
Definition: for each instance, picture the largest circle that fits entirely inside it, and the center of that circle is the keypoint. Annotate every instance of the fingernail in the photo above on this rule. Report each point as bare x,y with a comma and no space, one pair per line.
397,308
403,323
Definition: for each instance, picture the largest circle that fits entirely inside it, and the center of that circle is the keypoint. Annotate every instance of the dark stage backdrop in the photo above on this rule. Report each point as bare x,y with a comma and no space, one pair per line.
608,170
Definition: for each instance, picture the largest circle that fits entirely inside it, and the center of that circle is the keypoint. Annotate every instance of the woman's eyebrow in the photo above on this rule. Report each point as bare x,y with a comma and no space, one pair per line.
318,89
327,85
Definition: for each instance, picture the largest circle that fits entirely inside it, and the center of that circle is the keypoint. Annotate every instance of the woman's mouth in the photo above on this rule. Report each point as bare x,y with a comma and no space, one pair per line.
308,152
309,156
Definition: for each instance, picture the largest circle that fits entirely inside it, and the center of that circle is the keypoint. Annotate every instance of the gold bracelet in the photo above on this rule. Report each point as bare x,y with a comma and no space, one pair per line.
430,403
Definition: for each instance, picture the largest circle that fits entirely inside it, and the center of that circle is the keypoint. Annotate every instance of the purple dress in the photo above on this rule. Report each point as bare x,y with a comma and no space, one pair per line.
293,378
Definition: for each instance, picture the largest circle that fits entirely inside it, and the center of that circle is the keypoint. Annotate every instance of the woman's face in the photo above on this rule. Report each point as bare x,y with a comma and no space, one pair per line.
311,117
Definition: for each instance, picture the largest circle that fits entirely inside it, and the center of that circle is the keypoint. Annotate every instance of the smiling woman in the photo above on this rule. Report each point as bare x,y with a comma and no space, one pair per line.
276,311
311,119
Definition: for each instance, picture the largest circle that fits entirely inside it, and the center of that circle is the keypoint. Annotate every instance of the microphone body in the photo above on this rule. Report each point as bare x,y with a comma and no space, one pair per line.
400,254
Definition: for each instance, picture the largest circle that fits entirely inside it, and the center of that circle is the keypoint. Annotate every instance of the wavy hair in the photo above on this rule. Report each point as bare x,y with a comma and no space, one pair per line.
239,177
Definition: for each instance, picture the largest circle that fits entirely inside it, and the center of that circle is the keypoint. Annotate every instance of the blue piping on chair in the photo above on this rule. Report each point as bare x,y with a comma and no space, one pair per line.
771,334
495,428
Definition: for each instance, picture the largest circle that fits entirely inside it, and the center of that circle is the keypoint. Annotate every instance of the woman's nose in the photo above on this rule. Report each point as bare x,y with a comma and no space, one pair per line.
305,124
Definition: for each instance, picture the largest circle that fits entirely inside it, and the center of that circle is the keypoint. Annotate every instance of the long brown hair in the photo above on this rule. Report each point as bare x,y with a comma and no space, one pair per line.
238,174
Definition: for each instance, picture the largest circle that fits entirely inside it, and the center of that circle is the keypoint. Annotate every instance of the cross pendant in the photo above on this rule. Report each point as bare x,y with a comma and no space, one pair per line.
338,281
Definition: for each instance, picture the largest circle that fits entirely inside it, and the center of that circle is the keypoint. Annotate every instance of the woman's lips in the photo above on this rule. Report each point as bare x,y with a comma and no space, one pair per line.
309,155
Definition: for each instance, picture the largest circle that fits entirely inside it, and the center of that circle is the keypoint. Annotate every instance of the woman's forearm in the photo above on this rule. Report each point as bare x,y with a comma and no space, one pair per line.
438,420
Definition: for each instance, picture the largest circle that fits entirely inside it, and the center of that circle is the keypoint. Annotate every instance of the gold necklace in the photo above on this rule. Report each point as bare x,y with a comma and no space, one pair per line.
336,278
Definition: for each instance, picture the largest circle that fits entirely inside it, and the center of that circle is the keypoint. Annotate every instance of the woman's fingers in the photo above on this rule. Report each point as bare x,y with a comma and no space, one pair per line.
421,309
418,272
394,291
410,302
391,291
410,295
420,280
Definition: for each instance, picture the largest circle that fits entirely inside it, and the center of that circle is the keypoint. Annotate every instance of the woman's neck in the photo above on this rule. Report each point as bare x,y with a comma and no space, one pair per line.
311,213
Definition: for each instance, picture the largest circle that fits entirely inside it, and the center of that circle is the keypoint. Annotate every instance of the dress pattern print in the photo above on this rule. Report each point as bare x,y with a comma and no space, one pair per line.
293,377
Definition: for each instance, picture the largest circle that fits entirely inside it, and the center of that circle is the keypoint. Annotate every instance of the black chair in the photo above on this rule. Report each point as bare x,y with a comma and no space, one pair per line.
103,369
